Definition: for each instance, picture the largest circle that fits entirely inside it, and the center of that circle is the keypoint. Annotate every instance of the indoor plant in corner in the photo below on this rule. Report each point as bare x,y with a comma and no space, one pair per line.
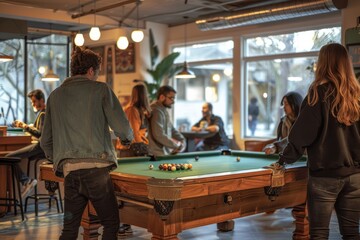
159,71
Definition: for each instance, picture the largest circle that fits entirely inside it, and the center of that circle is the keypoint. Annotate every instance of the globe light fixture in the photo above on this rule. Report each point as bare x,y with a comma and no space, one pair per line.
79,39
95,31
122,43
137,35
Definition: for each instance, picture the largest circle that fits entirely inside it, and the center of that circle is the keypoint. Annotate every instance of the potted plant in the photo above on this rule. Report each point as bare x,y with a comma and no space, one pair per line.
164,69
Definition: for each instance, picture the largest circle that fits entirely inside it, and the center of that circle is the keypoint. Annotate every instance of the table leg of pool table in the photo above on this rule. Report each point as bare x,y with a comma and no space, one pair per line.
300,214
90,223
165,229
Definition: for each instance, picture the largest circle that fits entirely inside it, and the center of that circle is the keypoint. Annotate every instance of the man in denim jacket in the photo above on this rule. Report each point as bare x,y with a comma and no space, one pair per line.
76,137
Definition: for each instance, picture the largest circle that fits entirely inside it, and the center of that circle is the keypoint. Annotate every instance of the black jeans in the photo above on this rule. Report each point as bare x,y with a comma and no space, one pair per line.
31,151
95,185
325,194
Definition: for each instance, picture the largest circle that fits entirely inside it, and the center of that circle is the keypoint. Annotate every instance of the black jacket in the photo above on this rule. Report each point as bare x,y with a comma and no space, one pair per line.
333,149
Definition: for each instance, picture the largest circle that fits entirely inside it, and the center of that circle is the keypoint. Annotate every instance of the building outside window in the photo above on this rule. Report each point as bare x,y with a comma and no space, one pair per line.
276,64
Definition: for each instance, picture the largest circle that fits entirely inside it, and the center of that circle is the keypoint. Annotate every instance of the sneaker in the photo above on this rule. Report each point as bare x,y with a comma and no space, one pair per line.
125,230
28,187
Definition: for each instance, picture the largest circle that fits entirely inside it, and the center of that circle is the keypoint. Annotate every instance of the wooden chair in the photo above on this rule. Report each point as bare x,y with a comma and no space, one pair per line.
257,145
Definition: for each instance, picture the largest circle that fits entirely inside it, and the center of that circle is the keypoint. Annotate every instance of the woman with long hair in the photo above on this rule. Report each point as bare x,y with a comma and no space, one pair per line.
138,112
328,128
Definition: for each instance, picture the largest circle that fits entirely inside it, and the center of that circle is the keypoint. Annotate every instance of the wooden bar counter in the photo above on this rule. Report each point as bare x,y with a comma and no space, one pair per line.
12,141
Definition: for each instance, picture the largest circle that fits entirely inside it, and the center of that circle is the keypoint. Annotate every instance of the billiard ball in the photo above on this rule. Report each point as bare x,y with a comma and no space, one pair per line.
173,168
151,167
160,166
196,158
169,167
238,159
186,166
189,166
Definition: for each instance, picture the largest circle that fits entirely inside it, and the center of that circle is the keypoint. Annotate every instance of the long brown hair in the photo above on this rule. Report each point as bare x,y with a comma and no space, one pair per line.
334,66
139,98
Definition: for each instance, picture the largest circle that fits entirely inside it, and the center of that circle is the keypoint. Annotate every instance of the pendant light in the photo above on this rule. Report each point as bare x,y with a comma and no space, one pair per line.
50,76
185,72
79,38
137,35
5,58
95,31
122,43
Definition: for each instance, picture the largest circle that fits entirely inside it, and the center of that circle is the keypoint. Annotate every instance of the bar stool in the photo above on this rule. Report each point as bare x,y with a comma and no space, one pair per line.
14,198
43,196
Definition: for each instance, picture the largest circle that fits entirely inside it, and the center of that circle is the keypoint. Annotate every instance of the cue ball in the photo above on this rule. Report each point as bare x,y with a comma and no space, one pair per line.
151,167
238,159
196,158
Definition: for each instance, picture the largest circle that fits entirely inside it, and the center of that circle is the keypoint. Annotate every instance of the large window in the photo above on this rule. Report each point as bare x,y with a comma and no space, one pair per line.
275,65
40,55
212,65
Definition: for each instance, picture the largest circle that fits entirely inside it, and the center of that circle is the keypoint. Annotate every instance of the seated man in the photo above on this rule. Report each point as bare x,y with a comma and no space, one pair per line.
212,123
33,150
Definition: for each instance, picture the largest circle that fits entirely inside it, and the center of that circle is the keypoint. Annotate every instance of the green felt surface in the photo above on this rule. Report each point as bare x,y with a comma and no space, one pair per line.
212,162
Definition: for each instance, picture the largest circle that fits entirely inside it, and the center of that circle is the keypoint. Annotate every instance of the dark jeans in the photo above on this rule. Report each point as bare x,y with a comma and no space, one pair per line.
95,185
325,194
31,151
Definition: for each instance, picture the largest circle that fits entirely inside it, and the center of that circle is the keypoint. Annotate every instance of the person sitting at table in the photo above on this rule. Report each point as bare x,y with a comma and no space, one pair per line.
164,139
138,112
33,150
211,123
291,103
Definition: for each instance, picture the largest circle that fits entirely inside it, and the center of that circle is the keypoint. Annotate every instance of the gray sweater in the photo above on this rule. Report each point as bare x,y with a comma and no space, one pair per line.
162,131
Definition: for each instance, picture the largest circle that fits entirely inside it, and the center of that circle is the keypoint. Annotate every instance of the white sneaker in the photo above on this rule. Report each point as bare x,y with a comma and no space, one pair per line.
28,187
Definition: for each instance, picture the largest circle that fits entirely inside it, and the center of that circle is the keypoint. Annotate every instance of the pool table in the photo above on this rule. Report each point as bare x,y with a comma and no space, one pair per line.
221,186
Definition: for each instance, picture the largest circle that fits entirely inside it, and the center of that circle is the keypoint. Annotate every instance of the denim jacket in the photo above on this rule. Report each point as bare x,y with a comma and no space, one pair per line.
78,116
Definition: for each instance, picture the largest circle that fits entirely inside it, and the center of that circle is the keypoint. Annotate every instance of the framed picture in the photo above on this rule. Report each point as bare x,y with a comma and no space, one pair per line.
125,59
100,50
354,51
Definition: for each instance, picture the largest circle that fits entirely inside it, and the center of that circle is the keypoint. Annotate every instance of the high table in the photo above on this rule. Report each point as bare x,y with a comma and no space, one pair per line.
191,136
220,186
13,140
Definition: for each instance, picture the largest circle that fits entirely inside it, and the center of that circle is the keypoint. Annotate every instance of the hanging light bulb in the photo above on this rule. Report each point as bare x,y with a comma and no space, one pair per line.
79,39
185,72
137,35
122,43
94,31
50,76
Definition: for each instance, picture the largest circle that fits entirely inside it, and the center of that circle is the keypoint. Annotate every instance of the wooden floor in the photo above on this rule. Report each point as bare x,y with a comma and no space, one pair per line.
48,225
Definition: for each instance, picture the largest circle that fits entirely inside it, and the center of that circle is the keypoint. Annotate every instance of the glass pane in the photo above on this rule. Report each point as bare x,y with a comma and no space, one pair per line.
12,82
268,82
305,41
44,54
213,83
205,51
